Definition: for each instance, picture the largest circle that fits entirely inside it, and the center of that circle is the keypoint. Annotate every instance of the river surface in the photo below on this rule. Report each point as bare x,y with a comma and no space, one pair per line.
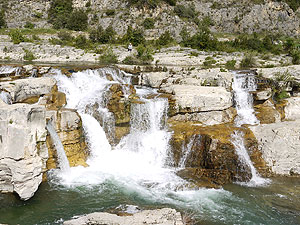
277,203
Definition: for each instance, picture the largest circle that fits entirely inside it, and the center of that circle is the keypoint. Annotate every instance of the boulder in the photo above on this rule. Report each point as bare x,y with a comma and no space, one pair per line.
280,144
23,152
267,113
292,108
24,89
165,216
191,98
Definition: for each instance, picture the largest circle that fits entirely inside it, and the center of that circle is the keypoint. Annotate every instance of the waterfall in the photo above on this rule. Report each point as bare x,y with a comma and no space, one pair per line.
63,162
242,86
139,160
186,152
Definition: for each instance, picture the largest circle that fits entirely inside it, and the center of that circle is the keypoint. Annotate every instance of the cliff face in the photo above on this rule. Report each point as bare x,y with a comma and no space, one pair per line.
227,16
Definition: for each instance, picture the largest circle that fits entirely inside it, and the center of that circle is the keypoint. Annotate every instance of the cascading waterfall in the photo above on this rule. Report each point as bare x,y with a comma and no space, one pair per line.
186,152
137,168
242,85
63,162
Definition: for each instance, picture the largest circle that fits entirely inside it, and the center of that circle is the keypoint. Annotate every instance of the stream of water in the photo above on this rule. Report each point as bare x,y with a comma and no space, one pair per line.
134,174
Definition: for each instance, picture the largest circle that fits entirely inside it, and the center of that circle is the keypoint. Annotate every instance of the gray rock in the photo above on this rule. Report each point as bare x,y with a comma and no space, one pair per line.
280,144
165,216
191,98
292,108
22,152
23,89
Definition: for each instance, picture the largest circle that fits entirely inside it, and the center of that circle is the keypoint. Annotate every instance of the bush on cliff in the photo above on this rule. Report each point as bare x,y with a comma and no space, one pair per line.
108,56
2,19
148,23
164,39
134,36
99,35
16,36
78,20
59,12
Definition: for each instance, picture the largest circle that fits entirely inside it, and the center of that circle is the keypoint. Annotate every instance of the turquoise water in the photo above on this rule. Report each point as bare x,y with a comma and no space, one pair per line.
278,203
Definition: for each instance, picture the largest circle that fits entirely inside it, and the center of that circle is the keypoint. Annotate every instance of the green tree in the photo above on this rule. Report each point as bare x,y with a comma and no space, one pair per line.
134,36
78,20
2,19
59,12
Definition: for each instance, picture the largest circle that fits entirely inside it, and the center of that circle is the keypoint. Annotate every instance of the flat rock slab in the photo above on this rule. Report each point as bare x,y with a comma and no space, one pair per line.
165,216
190,98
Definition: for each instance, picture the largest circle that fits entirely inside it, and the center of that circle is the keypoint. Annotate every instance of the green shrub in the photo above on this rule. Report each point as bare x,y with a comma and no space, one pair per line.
230,64
81,42
29,56
78,20
108,57
144,53
2,19
59,13
134,36
148,23
130,60
164,39
29,25
88,4
196,54
144,3
209,61
16,36
171,2
65,36
295,54
185,12
248,61
110,12
99,35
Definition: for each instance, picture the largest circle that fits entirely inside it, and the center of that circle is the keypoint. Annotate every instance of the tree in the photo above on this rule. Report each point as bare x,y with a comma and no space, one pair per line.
59,12
2,19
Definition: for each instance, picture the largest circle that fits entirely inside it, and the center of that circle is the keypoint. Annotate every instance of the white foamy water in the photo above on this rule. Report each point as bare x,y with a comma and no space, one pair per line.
137,164
242,86
186,153
63,162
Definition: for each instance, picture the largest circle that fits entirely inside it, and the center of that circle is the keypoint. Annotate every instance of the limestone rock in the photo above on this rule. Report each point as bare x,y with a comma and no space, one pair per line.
68,125
165,216
263,94
201,99
207,118
23,153
267,113
292,108
23,89
279,144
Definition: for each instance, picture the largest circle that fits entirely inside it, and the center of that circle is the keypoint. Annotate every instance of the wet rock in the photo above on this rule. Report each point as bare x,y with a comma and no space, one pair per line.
68,126
209,149
267,113
165,216
263,94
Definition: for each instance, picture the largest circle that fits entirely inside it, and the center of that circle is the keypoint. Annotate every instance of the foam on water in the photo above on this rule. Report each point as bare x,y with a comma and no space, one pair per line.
137,165
242,86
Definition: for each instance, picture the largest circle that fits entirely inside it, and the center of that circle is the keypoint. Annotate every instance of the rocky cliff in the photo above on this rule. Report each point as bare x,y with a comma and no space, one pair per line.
227,16
26,151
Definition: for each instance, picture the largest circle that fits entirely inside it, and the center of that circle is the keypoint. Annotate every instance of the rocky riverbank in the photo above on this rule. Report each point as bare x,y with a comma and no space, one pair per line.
201,107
